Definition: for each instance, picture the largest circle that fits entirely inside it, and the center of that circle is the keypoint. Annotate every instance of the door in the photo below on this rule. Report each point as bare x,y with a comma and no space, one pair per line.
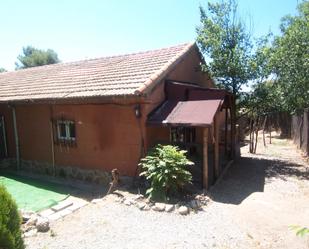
3,145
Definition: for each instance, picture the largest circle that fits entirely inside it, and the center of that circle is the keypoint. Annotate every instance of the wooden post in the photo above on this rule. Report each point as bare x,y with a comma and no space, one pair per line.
233,120
217,138
225,132
205,158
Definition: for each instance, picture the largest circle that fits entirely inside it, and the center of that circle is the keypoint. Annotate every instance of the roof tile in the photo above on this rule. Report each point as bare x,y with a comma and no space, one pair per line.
108,76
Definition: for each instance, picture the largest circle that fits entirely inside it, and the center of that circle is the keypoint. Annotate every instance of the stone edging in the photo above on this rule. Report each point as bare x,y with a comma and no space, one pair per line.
198,203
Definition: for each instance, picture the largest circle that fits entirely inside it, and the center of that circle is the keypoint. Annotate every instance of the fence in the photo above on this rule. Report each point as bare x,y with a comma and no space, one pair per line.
300,130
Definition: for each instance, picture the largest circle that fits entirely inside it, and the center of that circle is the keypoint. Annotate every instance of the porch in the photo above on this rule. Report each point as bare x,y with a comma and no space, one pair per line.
199,120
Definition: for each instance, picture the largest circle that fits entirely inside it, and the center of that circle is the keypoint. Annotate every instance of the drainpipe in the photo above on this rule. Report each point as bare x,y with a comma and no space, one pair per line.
52,140
16,137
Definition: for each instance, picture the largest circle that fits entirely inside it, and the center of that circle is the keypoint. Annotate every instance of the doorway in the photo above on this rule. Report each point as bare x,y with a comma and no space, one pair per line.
186,139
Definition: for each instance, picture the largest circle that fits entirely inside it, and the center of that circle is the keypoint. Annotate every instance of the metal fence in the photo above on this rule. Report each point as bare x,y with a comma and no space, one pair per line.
300,130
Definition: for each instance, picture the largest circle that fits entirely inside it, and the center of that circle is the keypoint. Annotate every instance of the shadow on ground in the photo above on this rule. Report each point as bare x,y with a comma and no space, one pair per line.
248,175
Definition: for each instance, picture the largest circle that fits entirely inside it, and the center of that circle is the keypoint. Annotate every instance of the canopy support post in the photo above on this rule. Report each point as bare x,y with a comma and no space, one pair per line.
205,158
216,131
225,131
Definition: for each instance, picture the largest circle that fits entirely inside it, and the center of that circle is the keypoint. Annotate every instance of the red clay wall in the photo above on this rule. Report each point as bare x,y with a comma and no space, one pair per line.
187,71
108,136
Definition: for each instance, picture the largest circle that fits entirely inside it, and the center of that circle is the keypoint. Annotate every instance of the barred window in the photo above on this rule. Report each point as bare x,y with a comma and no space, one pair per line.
66,130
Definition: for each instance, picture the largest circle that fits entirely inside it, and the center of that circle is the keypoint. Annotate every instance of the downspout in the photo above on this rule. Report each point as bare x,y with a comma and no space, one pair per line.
52,140
16,138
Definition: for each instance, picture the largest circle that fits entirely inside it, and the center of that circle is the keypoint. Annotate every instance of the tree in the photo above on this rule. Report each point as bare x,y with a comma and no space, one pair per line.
262,105
10,233
290,60
2,70
224,39
33,57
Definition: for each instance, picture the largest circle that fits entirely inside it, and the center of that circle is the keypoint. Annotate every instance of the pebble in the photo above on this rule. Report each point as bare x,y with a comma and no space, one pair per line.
183,210
32,221
159,207
195,204
169,208
95,201
42,225
146,208
127,202
141,205
31,233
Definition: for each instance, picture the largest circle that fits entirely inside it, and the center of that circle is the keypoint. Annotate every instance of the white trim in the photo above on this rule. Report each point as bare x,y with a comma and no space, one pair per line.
67,130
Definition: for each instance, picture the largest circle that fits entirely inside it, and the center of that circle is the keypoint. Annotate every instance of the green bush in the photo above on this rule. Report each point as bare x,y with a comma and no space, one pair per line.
165,168
10,233
300,231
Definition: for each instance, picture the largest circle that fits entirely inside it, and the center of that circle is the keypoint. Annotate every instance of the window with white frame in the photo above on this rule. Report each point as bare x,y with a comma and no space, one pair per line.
66,130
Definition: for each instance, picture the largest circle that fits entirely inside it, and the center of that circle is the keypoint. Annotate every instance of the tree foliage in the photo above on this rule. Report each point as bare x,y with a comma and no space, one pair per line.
2,70
33,57
10,233
265,99
224,39
165,168
290,59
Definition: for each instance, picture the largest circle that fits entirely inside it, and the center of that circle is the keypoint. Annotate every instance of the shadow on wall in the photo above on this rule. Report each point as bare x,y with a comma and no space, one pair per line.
248,175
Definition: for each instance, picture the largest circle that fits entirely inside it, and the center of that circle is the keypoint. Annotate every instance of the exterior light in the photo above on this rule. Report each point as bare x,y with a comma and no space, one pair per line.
137,110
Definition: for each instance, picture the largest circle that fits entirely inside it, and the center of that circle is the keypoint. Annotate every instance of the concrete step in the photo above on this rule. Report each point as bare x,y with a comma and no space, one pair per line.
62,205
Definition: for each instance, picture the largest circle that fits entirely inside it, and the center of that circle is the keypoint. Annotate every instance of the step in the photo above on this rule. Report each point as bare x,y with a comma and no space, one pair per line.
62,205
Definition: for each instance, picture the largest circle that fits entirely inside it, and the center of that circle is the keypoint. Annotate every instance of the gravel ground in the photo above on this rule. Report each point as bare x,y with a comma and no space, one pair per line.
252,207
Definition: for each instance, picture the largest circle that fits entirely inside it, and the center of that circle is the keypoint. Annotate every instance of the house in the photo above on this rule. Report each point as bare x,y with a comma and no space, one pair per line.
83,119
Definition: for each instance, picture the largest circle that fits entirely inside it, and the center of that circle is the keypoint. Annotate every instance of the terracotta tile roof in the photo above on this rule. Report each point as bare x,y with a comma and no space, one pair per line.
129,74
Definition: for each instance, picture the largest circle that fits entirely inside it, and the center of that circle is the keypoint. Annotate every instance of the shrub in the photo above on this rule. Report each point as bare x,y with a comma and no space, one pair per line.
10,233
165,168
300,231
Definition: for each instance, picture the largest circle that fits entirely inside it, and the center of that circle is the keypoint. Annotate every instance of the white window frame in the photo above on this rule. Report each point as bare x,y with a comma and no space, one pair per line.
67,130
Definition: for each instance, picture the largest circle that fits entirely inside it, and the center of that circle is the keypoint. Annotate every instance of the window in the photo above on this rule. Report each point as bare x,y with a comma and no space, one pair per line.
180,135
66,130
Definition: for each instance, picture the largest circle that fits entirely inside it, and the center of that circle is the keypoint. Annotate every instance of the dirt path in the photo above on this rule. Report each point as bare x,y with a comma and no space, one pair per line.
267,193
253,205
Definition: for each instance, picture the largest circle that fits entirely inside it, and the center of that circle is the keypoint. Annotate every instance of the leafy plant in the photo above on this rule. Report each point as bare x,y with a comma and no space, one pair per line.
300,231
165,168
10,233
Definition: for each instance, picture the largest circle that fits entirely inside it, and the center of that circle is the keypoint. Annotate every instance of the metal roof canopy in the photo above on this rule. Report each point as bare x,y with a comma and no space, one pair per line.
186,113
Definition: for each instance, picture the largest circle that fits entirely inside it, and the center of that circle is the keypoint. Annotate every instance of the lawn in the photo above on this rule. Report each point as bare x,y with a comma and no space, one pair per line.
32,194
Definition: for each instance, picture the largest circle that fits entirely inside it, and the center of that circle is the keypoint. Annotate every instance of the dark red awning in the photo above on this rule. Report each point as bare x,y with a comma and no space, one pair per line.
186,113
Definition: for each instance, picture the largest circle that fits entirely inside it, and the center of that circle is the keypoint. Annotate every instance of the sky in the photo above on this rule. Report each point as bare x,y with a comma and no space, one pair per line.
78,29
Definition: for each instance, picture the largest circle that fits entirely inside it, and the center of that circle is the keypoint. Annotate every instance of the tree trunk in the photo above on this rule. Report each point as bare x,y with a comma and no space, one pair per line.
251,136
256,134
264,124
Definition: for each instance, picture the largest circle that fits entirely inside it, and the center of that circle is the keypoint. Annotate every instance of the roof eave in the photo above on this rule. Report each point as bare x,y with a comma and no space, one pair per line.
160,74
77,100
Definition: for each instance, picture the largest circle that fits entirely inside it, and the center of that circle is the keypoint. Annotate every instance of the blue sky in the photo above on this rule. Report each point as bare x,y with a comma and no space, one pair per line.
87,29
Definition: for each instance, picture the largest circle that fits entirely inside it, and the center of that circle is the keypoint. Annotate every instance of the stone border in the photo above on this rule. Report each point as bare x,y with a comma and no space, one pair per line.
65,172
198,203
